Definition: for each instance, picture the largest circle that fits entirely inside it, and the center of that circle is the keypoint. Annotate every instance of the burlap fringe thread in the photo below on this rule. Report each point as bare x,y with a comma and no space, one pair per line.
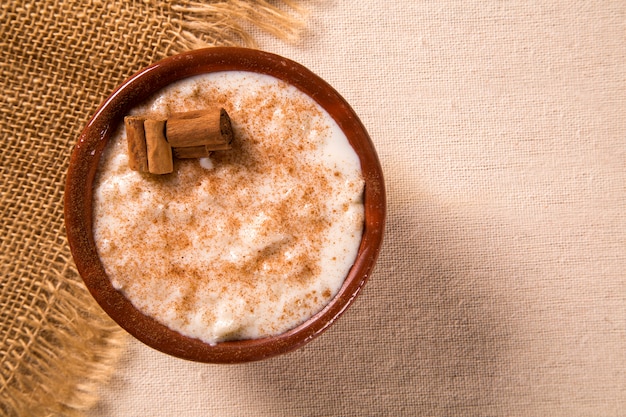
46,382
226,23
50,383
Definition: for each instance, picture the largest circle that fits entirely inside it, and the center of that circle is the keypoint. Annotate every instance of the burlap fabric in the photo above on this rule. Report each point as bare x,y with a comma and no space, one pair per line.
58,61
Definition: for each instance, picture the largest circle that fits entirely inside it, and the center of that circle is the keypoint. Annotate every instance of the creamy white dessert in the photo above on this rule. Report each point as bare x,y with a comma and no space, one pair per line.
249,242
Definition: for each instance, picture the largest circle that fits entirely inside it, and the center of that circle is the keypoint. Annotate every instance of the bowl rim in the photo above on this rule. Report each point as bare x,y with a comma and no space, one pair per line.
84,162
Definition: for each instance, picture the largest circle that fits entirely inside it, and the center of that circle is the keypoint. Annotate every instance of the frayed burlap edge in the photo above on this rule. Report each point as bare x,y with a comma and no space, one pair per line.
51,383
198,25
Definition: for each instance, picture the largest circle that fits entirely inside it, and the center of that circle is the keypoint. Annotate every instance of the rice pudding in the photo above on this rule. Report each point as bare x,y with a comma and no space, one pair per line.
244,244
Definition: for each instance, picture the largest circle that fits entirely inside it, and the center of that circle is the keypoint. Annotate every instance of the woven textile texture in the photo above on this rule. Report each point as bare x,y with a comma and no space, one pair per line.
501,286
58,61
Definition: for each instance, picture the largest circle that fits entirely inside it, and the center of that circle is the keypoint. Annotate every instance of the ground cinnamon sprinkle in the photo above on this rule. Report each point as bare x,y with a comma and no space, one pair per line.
254,244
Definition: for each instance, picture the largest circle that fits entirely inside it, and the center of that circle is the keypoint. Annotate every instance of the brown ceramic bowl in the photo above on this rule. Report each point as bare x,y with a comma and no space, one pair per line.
84,163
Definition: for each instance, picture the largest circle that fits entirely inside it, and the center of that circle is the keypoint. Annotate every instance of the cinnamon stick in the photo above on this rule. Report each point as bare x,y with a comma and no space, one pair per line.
210,128
136,140
153,143
191,152
159,150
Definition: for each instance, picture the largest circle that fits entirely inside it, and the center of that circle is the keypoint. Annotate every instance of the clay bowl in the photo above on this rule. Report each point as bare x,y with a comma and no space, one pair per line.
84,163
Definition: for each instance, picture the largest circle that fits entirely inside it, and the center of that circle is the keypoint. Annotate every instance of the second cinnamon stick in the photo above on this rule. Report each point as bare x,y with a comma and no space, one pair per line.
209,128
159,151
191,152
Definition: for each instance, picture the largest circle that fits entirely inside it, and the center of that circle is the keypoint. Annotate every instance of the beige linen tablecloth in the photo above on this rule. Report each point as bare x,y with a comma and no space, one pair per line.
501,286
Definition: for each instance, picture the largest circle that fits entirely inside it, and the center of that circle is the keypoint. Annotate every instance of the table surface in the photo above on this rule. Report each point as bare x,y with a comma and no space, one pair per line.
501,286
